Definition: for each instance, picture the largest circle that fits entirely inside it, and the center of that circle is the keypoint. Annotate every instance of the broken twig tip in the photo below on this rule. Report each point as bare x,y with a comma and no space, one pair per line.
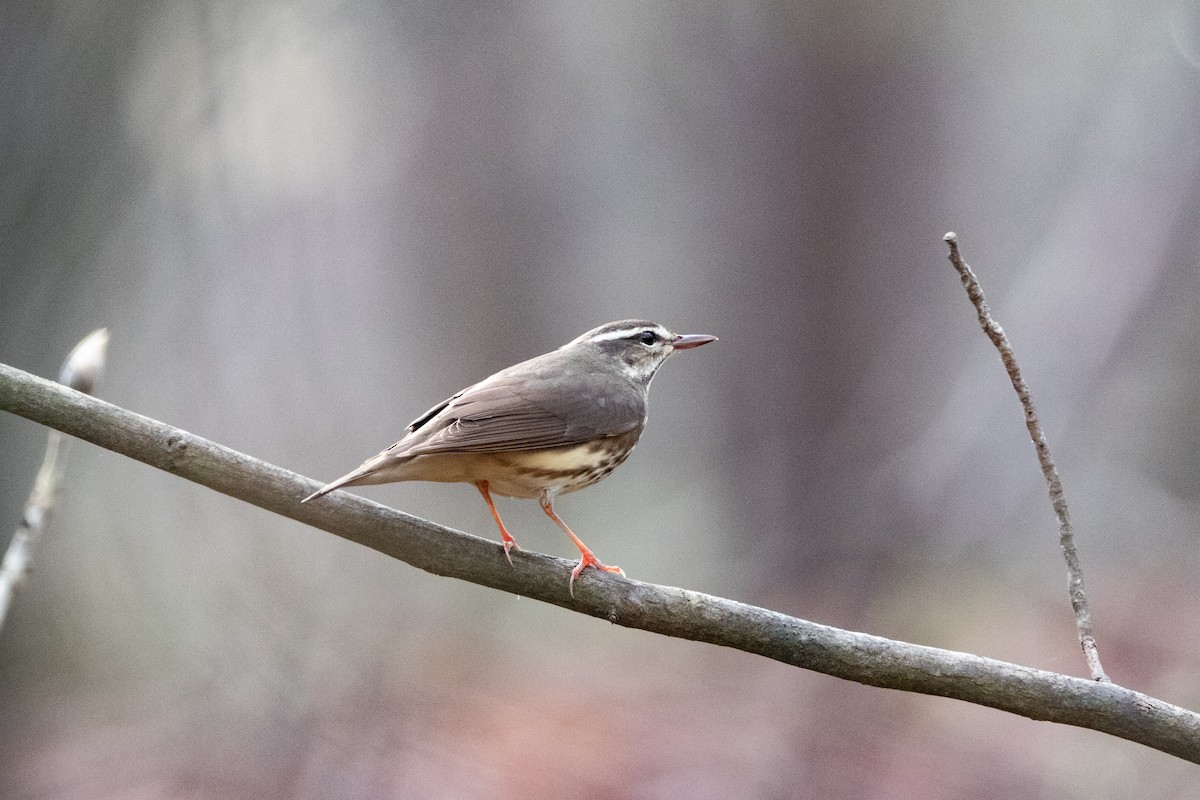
85,363
80,371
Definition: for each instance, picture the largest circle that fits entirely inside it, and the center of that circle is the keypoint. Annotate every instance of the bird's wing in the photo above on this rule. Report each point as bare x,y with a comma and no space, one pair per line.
527,407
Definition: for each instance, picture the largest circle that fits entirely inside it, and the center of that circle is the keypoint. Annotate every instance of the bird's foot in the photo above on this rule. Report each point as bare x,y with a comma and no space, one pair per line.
510,544
590,560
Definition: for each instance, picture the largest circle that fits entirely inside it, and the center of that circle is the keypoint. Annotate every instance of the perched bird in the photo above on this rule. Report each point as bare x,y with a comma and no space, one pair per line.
547,426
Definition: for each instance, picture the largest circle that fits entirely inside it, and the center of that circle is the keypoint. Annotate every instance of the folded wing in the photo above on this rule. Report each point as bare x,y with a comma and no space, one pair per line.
498,415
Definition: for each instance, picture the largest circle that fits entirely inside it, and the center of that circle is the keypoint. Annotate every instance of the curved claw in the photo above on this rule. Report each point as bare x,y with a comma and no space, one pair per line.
590,560
510,544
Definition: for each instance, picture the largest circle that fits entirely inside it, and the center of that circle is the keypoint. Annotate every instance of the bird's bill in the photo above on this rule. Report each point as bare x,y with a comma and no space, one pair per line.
692,340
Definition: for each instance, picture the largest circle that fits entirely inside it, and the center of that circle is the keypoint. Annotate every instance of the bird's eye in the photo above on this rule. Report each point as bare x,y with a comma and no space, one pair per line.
647,337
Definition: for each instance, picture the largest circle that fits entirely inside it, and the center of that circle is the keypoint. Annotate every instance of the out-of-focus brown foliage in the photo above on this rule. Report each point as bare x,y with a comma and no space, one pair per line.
304,223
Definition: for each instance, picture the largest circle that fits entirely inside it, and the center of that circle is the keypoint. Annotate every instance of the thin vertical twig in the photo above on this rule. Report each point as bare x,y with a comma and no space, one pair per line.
80,371
1066,536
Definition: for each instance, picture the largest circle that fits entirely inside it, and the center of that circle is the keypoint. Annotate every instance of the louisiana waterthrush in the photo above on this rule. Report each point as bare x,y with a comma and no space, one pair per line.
547,426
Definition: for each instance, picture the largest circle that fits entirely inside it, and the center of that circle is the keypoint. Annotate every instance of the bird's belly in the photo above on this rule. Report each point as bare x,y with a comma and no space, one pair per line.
561,470
523,473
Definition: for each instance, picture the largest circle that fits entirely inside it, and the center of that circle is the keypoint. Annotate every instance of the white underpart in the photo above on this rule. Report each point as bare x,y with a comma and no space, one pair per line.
644,370
561,460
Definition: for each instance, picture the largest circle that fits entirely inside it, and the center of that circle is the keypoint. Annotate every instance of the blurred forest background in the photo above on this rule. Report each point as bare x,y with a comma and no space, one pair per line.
306,222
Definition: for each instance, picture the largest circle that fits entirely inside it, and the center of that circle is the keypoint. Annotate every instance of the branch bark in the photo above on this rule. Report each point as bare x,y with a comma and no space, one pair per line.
681,613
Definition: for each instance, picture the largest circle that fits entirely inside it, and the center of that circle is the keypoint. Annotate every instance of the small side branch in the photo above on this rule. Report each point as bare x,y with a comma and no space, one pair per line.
80,371
1066,536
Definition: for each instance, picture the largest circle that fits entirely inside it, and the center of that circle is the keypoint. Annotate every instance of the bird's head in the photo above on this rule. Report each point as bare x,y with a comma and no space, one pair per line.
638,346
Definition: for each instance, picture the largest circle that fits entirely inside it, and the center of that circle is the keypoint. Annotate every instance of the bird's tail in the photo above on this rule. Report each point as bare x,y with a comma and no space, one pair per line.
369,469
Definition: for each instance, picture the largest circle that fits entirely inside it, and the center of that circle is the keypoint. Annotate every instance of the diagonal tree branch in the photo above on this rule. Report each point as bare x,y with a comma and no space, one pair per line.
871,660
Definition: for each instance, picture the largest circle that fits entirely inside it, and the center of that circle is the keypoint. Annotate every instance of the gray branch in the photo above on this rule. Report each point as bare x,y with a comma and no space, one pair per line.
871,660
81,370
1066,535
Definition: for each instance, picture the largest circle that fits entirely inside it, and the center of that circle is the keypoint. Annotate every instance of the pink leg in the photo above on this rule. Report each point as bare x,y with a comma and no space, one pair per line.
586,556
505,536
